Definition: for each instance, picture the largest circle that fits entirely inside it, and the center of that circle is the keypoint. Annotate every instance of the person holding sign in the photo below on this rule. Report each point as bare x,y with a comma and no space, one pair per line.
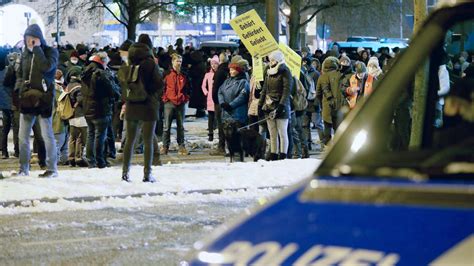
275,104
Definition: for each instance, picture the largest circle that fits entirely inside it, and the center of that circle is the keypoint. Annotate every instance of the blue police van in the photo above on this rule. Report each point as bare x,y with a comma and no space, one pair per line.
397,185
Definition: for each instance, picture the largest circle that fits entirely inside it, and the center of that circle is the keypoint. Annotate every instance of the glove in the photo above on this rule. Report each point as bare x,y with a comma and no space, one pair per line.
226,107
280,109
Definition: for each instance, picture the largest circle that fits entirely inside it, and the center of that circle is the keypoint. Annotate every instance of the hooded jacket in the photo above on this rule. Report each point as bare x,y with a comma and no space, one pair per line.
96,102
276,91
328,90
44,68
235,91
141,54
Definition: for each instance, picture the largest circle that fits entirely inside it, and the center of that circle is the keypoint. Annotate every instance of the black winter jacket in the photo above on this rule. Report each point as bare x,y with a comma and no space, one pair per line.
141,54
44,68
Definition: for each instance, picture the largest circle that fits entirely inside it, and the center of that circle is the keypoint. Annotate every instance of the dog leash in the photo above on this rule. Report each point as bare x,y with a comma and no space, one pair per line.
271,116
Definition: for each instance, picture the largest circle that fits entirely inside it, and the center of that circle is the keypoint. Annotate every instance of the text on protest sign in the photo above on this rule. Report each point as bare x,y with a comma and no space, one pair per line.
254,34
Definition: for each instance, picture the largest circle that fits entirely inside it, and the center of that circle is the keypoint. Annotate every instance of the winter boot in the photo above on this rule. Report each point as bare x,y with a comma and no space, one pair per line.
273,156
282,156
163,150
48,174
126,177
305,153
148,177
182,150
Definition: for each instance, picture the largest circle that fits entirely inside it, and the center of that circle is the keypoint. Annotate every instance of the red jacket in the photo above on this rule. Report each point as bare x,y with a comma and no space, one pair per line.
175,89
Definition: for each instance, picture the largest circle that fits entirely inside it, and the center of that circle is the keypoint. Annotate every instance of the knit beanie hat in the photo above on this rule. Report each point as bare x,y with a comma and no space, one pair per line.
74,54
101,58
345,60
276,56
241,65
58,77
74,73
215,59
360,49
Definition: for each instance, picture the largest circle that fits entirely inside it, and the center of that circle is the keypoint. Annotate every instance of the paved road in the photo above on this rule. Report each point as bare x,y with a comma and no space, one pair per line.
160,235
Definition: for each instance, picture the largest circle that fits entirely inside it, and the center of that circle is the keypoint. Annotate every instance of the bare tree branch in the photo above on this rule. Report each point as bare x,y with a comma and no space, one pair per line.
314,14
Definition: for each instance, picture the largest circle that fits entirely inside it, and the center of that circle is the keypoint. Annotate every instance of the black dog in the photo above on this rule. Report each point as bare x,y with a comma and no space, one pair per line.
253,143
233,138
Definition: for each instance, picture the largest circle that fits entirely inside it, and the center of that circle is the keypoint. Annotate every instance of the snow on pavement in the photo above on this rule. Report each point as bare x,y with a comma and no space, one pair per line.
171,178
260,195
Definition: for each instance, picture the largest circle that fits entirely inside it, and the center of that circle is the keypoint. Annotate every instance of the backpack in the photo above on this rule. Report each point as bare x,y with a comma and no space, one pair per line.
298,99
135,88
65,109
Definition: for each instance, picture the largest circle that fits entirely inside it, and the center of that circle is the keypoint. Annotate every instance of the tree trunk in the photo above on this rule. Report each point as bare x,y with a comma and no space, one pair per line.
132,30
420,91
272,9
294,24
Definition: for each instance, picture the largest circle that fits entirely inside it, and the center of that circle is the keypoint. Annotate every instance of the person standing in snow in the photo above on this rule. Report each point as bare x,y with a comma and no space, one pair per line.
146,112
36,79
175,97
275,104
207,89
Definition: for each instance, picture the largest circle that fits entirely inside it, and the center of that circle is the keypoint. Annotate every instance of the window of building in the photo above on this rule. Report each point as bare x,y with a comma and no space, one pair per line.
72,22
50,19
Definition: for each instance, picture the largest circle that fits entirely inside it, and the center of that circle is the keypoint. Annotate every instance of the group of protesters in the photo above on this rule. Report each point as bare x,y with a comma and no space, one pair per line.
83,98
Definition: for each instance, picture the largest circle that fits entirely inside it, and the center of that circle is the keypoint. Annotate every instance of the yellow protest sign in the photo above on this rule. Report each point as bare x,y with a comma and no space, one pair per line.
257,68
292,59
254,33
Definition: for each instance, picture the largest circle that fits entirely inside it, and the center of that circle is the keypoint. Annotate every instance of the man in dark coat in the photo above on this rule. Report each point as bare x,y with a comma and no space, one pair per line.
98,96
37,71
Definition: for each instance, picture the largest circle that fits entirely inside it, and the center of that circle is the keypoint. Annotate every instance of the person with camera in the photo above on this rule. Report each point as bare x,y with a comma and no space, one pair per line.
36,83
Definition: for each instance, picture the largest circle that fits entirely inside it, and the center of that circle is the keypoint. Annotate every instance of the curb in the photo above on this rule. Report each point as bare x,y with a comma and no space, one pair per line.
32,202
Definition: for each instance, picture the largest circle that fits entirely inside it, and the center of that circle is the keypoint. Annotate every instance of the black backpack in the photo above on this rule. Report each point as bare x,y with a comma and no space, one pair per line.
135,88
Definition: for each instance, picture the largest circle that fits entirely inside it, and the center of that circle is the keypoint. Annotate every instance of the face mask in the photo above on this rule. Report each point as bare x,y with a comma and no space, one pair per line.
124,58
74,61
30,49
360,76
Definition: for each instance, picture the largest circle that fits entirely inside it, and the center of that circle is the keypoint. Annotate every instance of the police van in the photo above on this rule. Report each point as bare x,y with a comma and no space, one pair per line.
397,185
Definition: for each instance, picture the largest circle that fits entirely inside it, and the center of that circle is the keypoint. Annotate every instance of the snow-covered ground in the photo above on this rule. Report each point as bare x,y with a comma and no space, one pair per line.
172,179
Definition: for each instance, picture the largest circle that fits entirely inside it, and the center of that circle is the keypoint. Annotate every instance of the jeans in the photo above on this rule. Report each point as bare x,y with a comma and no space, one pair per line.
96,135
62,146
46,125
133,129
77,142
38,144
110,141
299,138
9,122
169,111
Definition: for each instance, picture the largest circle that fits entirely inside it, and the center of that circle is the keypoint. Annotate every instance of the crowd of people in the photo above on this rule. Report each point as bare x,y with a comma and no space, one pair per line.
79,100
